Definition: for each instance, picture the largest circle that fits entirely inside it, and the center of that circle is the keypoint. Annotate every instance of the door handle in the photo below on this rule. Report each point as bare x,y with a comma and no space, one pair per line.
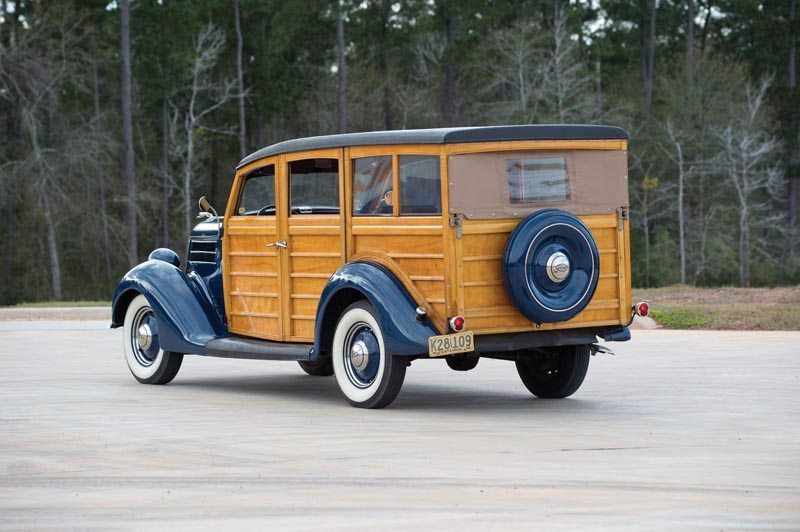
278,244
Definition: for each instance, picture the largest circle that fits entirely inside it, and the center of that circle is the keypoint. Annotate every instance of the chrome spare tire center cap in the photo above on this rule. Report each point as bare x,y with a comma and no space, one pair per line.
359,355
144,336
558,267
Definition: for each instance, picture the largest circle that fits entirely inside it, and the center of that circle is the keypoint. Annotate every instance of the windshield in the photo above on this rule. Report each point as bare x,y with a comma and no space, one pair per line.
258,196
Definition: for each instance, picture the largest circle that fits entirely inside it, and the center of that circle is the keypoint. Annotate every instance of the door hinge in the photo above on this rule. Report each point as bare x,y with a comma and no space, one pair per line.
457,220
622,215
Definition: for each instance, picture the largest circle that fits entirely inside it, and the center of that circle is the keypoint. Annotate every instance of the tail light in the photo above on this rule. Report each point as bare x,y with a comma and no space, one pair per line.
457,323
642,309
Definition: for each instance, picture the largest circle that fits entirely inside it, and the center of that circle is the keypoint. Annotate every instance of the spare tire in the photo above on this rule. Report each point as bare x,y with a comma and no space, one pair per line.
551,266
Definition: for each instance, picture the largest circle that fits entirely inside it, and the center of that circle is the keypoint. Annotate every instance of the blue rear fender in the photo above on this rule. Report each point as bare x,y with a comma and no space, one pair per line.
186,315
402,333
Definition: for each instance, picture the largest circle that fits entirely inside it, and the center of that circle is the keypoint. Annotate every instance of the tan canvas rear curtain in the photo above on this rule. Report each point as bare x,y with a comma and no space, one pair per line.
479,188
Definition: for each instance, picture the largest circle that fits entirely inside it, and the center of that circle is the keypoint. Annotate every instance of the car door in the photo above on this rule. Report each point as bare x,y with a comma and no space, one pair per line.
312,188
252,252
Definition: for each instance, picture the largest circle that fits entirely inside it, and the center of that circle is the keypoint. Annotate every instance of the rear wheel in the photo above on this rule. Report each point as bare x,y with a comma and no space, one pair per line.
368,376
148,363
319,368
555,373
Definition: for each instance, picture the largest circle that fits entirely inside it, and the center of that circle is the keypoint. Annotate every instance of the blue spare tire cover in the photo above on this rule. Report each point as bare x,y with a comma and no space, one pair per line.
551,266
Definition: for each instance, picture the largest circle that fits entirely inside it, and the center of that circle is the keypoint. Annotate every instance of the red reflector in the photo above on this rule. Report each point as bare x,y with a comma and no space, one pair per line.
457,323
642,309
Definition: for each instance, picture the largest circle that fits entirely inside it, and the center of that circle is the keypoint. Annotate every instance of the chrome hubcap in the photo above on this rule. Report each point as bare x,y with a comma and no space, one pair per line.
362,355
144,336
558,267
359,355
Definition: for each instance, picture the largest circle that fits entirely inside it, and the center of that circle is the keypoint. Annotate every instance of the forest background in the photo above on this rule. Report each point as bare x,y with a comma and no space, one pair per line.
115,116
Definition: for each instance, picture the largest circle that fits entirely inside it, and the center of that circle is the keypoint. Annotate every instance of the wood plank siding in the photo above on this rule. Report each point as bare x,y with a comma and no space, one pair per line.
482,297
273,292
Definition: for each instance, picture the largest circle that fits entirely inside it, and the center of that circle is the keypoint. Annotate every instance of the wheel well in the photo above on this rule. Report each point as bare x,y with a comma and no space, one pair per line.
121,306
341,300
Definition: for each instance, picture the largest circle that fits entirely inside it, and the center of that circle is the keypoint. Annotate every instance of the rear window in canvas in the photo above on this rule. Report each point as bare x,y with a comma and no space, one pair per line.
534,180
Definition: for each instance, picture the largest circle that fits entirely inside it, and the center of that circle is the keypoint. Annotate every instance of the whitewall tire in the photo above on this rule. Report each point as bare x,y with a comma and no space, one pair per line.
148,363
367,375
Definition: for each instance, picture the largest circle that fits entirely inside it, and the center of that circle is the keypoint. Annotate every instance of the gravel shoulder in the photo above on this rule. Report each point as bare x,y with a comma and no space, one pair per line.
724,308
54,313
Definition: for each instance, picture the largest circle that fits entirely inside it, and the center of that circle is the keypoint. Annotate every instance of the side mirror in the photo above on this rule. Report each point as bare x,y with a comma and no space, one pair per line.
204,204
207,212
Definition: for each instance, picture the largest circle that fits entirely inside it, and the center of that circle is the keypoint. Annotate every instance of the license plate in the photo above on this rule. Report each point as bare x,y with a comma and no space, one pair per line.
450,344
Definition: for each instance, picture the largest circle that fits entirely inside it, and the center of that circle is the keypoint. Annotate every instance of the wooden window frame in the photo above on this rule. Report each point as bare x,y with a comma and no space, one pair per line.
359,152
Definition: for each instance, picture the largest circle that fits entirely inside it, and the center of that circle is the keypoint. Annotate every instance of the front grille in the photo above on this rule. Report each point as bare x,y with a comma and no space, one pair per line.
202,251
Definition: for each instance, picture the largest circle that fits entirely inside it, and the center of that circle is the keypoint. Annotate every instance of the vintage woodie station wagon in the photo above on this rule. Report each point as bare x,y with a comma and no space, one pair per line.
357,254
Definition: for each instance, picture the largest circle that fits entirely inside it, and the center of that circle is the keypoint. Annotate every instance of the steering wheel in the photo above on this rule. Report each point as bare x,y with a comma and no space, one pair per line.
265,209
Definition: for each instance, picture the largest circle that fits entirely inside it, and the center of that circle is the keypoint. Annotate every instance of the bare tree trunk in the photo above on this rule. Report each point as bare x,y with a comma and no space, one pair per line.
383,64
387,93
599,86
214,172
643,43
207,46
744,247
9,208
704,33
3,11
188,177
650,64
342,73
448,104
677,158
689,40
101,171
545,19
681,218
794,149
240,80
646,223
166,187
793,44
127,132
257,129
558,40
52,248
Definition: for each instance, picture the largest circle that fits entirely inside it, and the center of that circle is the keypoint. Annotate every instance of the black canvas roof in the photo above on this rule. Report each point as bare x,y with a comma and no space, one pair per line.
443,136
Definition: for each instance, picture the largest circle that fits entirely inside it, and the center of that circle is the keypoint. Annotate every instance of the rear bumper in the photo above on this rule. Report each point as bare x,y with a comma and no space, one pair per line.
503,343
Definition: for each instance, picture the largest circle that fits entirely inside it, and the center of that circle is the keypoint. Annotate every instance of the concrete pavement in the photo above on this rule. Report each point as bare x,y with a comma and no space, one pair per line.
680,430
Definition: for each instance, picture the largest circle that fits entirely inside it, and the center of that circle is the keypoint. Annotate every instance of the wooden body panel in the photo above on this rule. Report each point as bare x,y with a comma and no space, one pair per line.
483,300
315,250
251,280
274,293
314,253
411,247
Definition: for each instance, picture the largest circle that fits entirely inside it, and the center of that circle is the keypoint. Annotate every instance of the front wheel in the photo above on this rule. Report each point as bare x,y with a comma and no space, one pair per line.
555,373
148,363
368,376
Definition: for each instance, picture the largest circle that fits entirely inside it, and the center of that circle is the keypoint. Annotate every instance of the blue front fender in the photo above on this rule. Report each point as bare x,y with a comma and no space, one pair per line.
402,333
184,309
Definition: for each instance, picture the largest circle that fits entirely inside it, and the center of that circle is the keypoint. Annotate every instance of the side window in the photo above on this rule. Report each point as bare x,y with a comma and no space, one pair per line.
420,185
540,179
314,186
258,194
372,186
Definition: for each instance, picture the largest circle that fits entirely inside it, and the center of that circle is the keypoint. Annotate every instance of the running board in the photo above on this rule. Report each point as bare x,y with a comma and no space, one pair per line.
251,348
